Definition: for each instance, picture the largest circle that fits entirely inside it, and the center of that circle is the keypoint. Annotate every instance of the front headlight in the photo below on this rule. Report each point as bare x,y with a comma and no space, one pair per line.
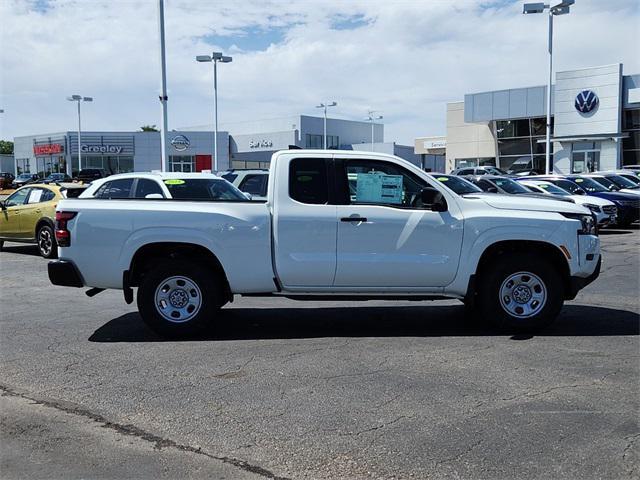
592,207
587,222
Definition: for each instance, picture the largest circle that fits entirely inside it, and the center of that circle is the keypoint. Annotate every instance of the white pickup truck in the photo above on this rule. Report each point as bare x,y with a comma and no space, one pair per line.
338,225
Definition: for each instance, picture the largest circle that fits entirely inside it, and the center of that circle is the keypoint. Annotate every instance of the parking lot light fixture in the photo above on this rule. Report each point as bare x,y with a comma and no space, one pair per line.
561,8
215,57
372,118
78,99
324,106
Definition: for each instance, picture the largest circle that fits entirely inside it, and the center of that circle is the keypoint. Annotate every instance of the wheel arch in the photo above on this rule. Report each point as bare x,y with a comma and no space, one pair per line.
44,221
143,259
548,250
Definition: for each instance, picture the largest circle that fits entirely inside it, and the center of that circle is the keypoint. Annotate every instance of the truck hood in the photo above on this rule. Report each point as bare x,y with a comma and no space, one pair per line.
525,202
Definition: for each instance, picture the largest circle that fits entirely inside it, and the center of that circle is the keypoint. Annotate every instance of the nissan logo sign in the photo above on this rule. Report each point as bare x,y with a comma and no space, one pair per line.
586,101
180,143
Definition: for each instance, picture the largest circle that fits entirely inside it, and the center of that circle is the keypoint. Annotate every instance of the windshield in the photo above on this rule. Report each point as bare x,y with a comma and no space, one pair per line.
631,177
510,186
569,186
458,184
495,171
621,181
552,189
24,176
606,183
203,189
589,185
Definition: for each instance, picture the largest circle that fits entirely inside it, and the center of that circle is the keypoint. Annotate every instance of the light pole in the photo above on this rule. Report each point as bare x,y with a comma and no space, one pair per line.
78,99
164,98
372,118
325,106
561,8
215,57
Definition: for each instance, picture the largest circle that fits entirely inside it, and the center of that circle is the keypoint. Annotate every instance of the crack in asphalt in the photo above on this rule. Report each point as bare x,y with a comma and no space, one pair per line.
131,430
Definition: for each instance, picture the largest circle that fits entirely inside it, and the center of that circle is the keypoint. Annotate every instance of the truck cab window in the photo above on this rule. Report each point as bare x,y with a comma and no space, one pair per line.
382,183
308,181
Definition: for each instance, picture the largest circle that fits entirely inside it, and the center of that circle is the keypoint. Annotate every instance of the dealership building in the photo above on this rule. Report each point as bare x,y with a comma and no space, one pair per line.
118,152
248,145
595,124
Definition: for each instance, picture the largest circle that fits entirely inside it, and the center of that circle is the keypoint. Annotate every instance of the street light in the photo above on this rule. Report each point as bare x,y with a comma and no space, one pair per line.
78,99
215,57
325,106
561,8
372,118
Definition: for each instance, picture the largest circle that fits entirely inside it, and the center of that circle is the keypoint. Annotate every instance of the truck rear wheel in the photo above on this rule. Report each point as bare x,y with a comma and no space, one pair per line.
178,298
520,292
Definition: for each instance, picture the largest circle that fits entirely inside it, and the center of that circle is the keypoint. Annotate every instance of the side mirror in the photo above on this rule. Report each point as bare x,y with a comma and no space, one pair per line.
433,199
492,190
154,196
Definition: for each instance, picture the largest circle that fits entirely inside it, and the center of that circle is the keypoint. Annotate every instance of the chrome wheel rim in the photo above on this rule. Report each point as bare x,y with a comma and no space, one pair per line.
523,295
178,299
45,241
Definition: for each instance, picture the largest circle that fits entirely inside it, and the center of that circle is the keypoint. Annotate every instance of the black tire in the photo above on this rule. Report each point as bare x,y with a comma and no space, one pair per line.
208,293
46,241
505,267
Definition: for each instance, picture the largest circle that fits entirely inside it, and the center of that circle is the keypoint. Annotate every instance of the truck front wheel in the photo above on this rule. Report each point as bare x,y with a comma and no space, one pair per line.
178,298
520,291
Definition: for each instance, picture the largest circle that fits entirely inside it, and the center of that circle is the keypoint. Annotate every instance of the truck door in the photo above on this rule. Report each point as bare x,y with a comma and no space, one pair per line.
386,238
304,233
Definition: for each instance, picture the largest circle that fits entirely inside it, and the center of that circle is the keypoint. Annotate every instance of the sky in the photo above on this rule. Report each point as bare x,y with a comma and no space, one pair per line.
404,59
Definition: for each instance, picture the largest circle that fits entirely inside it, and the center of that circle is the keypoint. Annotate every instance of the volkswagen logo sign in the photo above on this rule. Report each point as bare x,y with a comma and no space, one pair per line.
180,143
586,101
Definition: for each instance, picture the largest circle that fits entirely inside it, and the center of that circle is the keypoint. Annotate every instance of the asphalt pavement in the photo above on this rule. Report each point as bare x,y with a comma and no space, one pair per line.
286,389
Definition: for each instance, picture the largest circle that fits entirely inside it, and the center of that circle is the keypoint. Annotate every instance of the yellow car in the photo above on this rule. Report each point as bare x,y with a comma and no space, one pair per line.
28,216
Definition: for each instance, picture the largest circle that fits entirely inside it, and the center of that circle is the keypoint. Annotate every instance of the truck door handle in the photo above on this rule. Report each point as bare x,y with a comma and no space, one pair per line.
353,219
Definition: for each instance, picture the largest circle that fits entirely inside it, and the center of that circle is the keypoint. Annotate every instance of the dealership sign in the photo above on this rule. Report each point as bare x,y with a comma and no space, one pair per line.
260,144
434,144
180,143
586,101
48,149
101,149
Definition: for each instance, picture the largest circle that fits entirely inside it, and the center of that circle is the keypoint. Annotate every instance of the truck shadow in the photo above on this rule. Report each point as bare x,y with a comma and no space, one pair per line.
412,321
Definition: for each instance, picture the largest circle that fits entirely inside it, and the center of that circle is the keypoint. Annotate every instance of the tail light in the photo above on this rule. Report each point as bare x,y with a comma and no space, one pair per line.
63,236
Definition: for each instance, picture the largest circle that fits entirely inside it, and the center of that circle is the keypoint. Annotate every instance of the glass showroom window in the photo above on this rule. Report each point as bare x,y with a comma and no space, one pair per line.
585,157
475,162
22,165
631,145
182,163
314,141
521,143
333,141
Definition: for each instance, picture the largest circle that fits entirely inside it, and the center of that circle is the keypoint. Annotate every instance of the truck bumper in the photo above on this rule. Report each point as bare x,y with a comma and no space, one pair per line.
64,273
578,283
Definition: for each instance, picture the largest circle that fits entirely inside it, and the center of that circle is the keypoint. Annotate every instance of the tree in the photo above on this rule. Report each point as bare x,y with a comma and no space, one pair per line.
149,128
6,147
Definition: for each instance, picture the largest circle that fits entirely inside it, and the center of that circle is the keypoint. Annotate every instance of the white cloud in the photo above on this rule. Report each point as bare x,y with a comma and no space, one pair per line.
407,60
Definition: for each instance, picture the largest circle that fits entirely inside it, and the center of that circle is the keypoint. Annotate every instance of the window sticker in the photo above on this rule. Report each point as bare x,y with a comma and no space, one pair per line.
174,181
35,196
443,179
378,187
578,180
